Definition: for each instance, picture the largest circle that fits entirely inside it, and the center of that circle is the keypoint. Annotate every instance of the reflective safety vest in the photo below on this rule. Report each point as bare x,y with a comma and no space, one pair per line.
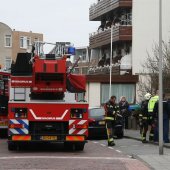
152,102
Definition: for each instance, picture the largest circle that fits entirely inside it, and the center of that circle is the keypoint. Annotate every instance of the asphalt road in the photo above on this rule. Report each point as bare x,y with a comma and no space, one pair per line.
96,155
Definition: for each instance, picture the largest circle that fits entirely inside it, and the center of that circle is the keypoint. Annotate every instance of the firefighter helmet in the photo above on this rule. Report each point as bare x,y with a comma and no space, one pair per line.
147,96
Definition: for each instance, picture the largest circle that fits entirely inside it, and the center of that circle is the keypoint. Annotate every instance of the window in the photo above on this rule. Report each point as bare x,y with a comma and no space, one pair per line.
84,55
8,61
80,96
23,42
28,41
8,40
118,90
36,39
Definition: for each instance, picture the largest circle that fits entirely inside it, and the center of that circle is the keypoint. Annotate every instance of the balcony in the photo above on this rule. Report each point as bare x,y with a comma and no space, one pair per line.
96,11
120,33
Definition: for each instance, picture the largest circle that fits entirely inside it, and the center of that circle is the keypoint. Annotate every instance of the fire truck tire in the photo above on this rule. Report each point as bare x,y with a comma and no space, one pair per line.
79,146
11,146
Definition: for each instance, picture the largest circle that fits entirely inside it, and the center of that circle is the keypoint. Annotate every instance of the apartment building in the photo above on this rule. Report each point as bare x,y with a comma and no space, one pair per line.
115,28
13,42
134,25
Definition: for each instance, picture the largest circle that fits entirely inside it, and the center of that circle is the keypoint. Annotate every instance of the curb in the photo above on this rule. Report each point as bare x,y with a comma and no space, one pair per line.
130,137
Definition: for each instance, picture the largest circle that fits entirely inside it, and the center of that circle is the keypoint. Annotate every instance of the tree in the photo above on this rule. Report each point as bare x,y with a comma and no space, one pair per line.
150,79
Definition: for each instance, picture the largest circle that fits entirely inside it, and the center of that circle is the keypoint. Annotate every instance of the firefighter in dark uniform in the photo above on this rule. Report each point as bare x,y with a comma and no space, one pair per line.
111,110
145,117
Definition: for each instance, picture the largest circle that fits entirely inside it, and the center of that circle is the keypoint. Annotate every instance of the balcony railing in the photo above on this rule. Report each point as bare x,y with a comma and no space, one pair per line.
105,6
120,33
117,69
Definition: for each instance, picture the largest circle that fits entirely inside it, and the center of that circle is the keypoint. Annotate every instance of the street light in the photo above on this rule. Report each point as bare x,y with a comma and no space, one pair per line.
110,88
160,82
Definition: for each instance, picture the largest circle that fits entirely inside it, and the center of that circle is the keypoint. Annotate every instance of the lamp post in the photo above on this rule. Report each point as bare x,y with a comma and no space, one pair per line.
110,88
160,82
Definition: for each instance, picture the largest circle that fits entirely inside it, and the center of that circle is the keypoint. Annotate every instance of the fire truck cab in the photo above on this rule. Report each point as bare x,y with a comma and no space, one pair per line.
37,109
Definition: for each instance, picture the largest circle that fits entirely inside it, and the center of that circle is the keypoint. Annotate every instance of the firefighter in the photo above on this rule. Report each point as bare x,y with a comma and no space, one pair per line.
151,115
111,110
145,119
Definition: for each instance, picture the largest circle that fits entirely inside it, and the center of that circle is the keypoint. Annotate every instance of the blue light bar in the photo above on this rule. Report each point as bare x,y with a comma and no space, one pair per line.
71,50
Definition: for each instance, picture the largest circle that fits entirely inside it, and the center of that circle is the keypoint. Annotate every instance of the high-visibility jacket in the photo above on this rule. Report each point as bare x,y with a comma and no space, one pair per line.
152,102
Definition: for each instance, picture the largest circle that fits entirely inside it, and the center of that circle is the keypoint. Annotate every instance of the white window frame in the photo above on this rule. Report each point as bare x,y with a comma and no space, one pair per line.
28,41
24,43
5,40
8,59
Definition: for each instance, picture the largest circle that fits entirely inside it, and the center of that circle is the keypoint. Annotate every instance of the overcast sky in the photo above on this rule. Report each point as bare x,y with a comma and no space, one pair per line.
58,20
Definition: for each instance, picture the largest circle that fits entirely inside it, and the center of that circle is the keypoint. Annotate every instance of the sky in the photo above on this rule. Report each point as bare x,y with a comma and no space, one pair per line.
58,20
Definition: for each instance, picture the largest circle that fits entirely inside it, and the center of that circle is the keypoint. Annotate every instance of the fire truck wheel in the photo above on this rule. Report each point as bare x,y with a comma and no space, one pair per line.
79,146
11,146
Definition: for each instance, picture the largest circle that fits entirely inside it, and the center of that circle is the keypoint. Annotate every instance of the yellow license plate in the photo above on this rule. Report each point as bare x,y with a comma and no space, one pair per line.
3,124
102,123
48,137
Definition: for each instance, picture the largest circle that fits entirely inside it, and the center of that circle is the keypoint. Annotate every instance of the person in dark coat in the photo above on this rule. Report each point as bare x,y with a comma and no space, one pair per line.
166,112
123,106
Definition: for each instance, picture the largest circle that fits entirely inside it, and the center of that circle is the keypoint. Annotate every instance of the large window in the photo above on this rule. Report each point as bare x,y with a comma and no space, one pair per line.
8,40
118,90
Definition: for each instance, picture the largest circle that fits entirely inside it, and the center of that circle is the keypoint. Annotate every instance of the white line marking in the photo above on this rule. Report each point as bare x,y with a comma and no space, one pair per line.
95,142
135,145
129,156
63,157
102,144
118,151
48,118
110,147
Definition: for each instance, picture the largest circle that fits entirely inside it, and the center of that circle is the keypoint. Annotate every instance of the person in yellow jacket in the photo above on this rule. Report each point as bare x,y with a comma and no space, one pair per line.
151,115
111,110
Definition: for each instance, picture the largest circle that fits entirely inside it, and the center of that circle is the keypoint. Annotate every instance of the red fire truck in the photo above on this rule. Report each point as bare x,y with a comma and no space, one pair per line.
4,96
37,109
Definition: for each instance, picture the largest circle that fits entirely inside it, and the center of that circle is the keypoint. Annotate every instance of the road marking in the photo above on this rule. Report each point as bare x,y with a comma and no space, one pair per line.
63,157
95,142
102,144
110,148
129,156
118,151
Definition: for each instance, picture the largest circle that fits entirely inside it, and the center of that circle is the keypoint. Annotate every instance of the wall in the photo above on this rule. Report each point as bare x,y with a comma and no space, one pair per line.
93,94
4,51
16,41
145,17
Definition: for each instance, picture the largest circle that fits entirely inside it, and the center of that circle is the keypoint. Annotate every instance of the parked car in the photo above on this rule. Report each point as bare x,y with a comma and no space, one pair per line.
97,124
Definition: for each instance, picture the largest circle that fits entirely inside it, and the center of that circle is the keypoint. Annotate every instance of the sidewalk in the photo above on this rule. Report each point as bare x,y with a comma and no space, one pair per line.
134,134
156,161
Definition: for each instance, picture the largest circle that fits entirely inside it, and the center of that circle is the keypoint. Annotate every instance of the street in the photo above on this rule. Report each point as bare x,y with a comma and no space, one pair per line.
96,155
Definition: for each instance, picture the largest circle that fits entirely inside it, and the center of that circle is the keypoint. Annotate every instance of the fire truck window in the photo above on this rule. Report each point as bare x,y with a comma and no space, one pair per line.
1,85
